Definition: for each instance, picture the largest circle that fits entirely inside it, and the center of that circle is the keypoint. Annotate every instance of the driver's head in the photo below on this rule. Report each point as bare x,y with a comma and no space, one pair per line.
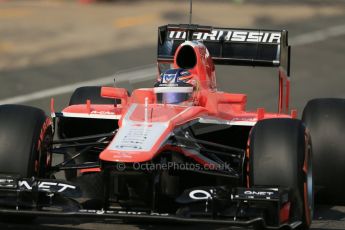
174,86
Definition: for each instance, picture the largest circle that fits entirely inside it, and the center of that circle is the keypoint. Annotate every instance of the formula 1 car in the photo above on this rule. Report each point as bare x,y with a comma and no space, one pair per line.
181,151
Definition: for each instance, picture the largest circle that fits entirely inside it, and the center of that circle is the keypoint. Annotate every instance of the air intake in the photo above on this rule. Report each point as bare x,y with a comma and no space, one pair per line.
186,57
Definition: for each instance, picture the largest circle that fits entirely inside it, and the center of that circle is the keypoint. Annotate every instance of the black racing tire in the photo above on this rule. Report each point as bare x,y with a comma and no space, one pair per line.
280,155
92,93
25,141
25,145
325,119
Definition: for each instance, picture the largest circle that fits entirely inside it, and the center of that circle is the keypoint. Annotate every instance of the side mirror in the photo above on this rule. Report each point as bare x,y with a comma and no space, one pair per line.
116,93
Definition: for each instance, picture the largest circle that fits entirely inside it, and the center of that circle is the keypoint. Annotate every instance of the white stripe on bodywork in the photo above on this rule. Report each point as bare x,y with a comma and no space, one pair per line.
94,116
137,136
242,123
173,89
208,120
140,135
129,113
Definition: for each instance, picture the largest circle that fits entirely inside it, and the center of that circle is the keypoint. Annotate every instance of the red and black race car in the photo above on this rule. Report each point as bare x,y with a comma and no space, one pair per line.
181,151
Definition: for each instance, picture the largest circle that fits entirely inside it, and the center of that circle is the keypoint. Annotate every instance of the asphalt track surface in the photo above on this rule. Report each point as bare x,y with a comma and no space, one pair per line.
318,70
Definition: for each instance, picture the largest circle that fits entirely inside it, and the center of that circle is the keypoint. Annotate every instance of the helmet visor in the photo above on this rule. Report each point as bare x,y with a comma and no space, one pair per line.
173,95
172,98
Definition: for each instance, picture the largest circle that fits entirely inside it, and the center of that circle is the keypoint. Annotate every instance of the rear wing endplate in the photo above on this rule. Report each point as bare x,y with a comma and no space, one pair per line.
228,46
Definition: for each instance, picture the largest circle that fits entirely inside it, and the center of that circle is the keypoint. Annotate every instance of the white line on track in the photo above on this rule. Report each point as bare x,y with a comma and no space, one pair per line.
318,36
136,75
145,73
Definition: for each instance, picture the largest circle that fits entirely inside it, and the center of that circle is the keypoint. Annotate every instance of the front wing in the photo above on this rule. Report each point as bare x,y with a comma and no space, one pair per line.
202,205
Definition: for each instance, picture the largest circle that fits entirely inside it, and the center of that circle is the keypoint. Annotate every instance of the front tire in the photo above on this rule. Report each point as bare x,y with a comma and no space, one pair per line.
25,145
25,139
280,155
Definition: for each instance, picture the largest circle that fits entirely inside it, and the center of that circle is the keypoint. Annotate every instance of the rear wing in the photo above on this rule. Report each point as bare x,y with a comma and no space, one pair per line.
227,46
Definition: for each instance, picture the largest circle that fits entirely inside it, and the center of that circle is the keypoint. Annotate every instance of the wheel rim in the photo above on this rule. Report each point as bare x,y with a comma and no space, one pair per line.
309,185
44,158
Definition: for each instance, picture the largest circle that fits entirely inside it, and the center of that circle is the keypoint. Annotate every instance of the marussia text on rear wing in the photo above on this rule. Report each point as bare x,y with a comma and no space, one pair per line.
228,46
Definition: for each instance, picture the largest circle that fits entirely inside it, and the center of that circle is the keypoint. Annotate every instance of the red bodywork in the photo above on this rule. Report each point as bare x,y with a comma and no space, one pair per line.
140,114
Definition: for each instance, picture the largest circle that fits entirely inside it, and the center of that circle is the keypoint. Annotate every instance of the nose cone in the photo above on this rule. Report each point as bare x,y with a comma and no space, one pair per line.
136,142
138,139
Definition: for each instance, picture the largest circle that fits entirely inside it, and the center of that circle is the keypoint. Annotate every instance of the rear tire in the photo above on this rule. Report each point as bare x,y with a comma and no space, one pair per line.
325,119
69,127
73,127
92,93
280,155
